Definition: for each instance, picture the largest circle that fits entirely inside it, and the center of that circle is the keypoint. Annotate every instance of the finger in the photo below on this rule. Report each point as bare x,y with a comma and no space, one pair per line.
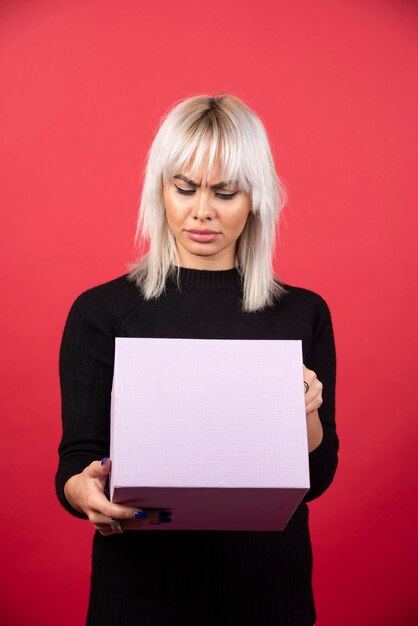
309,375
307,380
135,523
102,523
153,519
313,405
99,469
98,503
99,520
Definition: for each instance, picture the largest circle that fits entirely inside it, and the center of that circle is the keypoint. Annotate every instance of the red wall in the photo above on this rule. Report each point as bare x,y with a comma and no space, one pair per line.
83,86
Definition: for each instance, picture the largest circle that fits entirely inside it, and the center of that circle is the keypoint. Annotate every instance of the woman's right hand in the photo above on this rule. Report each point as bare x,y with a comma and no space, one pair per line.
85,493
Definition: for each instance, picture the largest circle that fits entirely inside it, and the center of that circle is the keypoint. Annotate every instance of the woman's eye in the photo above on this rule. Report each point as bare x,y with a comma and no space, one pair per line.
223,196
226,196
185,191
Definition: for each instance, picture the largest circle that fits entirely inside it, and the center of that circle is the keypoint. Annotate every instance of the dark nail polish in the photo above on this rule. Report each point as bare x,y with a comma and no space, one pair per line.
166,512
103,461
165,520
141,514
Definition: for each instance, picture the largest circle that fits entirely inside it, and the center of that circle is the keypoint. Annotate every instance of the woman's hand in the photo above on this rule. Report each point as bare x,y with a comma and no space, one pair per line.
313,400
85,493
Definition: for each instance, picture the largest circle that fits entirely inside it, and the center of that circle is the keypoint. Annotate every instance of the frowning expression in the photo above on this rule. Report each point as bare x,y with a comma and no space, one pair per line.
198,204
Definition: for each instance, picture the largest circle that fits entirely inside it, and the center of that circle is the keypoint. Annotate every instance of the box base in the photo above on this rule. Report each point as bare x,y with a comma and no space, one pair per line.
216,509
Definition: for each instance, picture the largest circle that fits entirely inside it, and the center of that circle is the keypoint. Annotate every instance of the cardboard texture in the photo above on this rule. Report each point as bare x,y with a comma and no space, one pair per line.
213,429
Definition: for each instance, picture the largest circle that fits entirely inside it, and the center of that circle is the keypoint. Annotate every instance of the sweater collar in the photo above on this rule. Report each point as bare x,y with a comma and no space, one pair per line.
206,279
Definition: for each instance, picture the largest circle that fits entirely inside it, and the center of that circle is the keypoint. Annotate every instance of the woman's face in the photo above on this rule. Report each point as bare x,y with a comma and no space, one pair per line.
201,204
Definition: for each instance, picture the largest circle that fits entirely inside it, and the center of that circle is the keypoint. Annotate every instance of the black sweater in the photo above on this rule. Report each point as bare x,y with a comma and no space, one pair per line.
187,577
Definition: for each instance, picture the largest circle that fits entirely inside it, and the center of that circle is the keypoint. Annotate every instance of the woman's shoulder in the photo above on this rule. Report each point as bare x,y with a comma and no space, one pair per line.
301,293
302,297
113,297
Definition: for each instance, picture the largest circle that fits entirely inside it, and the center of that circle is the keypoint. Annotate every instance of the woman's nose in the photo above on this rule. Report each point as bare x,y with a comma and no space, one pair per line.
202,205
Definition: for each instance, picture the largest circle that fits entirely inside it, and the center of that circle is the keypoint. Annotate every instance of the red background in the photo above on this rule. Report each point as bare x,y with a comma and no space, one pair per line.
83,87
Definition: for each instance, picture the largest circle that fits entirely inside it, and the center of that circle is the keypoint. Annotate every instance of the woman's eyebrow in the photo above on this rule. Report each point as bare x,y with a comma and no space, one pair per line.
224,183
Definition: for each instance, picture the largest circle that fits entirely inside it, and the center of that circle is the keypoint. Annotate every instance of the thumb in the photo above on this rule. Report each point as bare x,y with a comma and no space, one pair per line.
100,469
105,466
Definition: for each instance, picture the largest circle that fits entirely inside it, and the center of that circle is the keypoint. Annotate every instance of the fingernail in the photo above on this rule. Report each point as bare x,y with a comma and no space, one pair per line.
165,515
103,461
141,514
166,512
165,520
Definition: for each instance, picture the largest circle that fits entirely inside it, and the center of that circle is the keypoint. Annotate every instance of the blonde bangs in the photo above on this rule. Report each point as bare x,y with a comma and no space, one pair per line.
214,137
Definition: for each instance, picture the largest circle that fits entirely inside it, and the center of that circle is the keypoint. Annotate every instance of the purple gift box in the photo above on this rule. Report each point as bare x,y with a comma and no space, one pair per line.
212,429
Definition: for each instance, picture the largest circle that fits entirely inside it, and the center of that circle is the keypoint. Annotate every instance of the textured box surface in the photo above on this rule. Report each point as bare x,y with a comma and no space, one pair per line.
213,429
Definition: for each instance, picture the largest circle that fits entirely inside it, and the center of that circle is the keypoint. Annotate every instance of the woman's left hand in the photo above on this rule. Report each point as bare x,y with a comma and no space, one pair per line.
313,395
313,400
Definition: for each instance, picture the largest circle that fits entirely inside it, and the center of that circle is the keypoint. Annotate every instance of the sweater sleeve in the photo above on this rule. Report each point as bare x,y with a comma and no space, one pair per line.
322,360
86,373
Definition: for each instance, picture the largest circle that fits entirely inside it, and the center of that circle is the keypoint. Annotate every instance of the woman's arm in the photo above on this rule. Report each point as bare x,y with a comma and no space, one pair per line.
86,374
322,435
315,430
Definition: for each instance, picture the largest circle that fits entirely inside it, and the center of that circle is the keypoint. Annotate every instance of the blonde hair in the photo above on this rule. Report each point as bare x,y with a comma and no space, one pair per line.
192,129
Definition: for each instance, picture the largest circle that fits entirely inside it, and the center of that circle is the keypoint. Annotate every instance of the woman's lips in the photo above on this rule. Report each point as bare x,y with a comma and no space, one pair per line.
202,238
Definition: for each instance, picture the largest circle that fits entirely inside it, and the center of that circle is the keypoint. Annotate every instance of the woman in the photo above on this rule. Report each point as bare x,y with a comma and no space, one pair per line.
209,169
